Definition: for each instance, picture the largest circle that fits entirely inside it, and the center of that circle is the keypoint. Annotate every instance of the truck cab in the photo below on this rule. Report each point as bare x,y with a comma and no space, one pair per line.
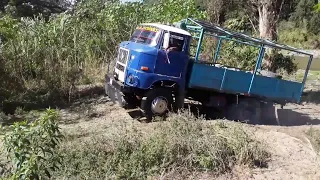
150,69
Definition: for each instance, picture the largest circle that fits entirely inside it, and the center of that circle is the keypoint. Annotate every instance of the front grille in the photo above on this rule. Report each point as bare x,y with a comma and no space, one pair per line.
120,67
123,56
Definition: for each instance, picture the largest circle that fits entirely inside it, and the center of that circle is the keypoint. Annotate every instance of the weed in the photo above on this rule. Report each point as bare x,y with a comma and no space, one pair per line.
183,143
314,135
30,147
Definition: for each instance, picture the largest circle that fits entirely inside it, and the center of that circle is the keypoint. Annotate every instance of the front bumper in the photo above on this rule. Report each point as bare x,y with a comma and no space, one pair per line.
114,89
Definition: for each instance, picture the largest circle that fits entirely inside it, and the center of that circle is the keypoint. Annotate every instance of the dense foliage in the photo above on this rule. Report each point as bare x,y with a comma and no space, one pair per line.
48,57
29,8
44,57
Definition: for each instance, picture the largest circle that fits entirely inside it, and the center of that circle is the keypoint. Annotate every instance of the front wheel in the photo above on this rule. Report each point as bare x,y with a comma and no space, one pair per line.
158,102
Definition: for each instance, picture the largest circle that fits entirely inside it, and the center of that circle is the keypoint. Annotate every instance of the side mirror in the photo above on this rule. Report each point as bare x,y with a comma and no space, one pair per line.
166,40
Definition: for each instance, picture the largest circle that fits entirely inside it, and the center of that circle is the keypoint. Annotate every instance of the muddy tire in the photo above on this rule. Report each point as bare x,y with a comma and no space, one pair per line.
157,103
248,110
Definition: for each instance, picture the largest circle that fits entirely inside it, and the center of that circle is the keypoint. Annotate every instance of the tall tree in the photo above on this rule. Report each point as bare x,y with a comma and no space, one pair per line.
217,10
305,15
269,13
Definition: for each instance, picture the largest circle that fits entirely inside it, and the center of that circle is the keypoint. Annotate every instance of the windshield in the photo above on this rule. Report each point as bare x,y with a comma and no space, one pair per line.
146,35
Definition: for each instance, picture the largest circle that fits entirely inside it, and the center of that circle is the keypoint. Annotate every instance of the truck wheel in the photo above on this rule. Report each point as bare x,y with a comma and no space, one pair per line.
158,102
247,110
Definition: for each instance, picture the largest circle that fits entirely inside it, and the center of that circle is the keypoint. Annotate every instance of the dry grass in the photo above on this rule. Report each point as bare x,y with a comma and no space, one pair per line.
314,136
181,144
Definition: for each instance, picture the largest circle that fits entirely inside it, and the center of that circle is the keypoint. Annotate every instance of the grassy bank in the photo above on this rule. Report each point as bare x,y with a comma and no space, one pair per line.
179,146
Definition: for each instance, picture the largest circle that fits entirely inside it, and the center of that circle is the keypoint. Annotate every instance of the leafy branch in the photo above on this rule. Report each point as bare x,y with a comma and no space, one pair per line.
31,147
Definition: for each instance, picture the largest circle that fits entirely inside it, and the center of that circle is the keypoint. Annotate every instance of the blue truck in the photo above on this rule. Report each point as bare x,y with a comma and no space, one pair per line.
157,71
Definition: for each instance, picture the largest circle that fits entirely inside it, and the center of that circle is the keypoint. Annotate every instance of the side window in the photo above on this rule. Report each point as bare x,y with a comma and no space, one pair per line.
176,42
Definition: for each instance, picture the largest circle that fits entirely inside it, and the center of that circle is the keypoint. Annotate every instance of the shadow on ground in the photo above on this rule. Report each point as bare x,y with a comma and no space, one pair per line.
92,96
284,117
196,110
81,101
311,97
288,117
9,107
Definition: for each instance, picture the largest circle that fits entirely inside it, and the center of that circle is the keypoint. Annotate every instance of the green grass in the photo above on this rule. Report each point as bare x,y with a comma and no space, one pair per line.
312,87
182,144
313,75
298,37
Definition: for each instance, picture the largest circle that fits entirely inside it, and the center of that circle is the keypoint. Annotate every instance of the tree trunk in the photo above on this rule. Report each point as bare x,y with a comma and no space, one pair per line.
216,11
268,17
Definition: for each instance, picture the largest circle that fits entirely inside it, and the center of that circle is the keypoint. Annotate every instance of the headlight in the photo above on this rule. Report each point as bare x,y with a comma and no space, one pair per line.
133,80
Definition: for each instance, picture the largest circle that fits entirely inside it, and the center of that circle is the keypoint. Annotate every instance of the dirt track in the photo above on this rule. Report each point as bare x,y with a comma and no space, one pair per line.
293,157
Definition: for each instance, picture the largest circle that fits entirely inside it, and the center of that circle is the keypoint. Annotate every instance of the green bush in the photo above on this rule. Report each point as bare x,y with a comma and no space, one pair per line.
283,63
238,55
8,28
183,143
299,37
31,147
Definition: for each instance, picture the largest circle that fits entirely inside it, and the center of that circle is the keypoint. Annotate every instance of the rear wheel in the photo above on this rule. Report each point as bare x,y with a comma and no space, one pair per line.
248,110
158,102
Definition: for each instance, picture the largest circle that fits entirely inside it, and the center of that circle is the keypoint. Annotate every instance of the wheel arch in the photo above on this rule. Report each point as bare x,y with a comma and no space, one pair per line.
166,83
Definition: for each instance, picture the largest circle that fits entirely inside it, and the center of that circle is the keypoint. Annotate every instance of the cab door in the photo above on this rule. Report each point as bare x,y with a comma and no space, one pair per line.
172,61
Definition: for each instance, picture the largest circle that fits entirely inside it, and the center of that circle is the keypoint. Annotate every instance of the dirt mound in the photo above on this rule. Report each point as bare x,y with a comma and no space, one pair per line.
292,158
